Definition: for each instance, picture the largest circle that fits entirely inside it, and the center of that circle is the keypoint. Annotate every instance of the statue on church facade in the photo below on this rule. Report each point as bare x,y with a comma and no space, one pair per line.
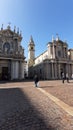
11,61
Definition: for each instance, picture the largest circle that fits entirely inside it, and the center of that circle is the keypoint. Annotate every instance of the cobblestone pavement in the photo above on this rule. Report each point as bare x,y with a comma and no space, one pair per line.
62,91
24,107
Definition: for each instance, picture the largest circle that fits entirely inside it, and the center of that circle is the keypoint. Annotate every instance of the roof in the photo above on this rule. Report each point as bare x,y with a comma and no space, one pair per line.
8,32
41,54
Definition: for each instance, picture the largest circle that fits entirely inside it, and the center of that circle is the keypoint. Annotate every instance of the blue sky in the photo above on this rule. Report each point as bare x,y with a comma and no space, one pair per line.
39,18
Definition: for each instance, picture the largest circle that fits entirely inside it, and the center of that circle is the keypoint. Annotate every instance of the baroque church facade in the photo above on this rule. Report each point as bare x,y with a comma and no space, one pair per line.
51,63
11,54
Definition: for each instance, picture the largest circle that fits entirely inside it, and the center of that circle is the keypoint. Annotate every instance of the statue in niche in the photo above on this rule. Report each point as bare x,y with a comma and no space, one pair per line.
6,47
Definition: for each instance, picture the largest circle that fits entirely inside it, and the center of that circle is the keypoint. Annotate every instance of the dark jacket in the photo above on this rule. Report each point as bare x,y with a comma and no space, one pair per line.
36,79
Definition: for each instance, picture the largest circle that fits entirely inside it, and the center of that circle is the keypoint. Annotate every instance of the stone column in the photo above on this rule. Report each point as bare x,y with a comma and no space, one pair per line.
59,71
69,69
9,69
47,70
21,70
66,68
52,71
55,71
53,51
14,70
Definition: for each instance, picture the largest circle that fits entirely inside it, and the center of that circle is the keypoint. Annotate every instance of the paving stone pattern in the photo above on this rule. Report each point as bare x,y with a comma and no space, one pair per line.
62,91
24,107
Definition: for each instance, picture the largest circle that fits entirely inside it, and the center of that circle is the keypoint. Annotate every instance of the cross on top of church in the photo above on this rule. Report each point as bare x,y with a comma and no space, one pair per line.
57,38
8,25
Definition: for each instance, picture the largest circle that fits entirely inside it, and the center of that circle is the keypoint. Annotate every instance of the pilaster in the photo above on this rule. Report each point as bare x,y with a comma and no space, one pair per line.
52,70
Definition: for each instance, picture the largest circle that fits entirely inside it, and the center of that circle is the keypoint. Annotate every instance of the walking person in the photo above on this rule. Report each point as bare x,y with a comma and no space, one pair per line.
36,80
67,77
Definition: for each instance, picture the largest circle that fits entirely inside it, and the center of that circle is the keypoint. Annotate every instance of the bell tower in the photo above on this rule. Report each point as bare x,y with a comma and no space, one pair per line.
31,52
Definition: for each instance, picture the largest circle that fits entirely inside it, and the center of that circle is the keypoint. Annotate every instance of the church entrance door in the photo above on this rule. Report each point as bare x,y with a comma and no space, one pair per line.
4,73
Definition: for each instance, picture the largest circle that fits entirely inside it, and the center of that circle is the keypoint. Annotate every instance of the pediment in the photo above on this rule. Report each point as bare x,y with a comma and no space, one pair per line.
7,32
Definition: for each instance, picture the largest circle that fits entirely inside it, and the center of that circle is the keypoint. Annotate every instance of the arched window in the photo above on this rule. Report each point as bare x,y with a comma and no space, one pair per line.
6,47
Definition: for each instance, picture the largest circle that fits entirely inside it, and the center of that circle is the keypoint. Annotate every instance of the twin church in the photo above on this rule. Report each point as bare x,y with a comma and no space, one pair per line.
52,62
11,54
48,65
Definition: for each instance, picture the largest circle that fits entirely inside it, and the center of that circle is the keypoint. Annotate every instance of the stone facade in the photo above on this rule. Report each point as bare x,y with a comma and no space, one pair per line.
51,63
11,55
